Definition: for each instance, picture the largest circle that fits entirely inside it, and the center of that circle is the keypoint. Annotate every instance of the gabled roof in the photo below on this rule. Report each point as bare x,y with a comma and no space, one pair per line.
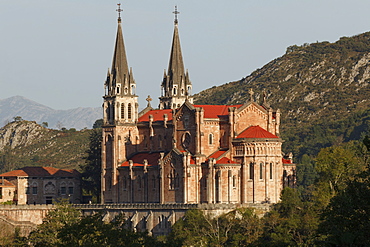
138,159
217,154
226,161
157,115
216,111
256,132
41,172
5,183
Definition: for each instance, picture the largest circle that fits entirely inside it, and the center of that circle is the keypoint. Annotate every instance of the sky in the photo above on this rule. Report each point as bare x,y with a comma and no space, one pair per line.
57,52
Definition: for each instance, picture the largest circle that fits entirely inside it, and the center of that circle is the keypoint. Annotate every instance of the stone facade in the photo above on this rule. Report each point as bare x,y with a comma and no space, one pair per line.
42,185
185,153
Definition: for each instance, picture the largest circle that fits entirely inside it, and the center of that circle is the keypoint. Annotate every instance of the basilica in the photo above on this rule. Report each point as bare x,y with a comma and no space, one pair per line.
184,153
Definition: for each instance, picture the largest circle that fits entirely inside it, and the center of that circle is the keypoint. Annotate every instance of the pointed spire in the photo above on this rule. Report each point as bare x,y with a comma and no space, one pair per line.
176,68
119,64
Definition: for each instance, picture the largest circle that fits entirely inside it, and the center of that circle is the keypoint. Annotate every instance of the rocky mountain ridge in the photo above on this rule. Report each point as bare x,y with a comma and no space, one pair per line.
78,118
316,86
26,143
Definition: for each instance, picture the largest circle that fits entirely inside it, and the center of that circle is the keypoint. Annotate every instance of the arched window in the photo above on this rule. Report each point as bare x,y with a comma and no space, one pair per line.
129,111
122,111
271,171
63,188
234,181
210,139
189,90
251,170
261,170
174,91
133,89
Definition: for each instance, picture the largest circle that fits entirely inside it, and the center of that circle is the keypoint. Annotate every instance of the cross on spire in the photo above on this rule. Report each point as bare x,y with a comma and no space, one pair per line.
119,10
176,13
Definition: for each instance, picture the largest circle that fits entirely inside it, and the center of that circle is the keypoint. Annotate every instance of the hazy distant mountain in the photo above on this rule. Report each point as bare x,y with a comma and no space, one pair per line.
78,118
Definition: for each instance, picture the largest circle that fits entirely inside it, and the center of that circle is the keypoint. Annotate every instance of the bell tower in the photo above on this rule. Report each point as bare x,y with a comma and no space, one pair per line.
119,118
176,85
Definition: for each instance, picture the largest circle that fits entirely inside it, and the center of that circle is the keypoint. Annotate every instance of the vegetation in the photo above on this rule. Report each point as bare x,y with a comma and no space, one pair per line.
65,226
321,89
91,169
39,146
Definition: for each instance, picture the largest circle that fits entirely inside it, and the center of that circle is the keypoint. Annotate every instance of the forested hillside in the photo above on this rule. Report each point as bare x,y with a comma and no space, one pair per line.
321,88
24,143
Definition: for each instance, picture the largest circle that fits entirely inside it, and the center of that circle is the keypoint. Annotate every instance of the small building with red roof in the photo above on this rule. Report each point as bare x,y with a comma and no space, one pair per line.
40,185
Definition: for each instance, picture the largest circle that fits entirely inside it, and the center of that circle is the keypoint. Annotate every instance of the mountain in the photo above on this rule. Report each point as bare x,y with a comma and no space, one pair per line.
321,88
26,143
77,118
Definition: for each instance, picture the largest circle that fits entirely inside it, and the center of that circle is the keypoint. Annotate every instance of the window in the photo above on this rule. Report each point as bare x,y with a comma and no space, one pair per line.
210,139
122,111
63,190
251,170
234,181
172,180
34,190
261,170
28,190
174,91
129,111
70,190
270,170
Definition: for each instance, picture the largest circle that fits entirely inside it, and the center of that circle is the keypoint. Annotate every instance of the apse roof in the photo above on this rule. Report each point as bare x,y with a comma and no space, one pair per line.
256,132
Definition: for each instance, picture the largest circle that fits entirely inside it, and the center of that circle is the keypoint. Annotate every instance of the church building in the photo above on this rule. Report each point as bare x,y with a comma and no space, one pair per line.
184,153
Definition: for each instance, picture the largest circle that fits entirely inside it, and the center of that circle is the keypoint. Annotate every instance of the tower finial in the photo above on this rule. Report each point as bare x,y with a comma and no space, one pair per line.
119,10
176,13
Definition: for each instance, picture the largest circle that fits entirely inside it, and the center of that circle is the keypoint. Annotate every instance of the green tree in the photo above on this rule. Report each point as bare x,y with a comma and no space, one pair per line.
291,222
98,124
240,227
346,220
335,167
91,170
46,234
93,231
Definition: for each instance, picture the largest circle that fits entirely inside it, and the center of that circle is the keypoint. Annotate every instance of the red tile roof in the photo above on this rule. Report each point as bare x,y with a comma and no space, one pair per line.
157,115
256,132
5,183
216,154
216,111
41,172
225,160
138,159
287,161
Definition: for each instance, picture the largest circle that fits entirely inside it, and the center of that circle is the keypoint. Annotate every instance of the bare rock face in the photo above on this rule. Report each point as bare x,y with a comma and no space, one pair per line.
20,133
